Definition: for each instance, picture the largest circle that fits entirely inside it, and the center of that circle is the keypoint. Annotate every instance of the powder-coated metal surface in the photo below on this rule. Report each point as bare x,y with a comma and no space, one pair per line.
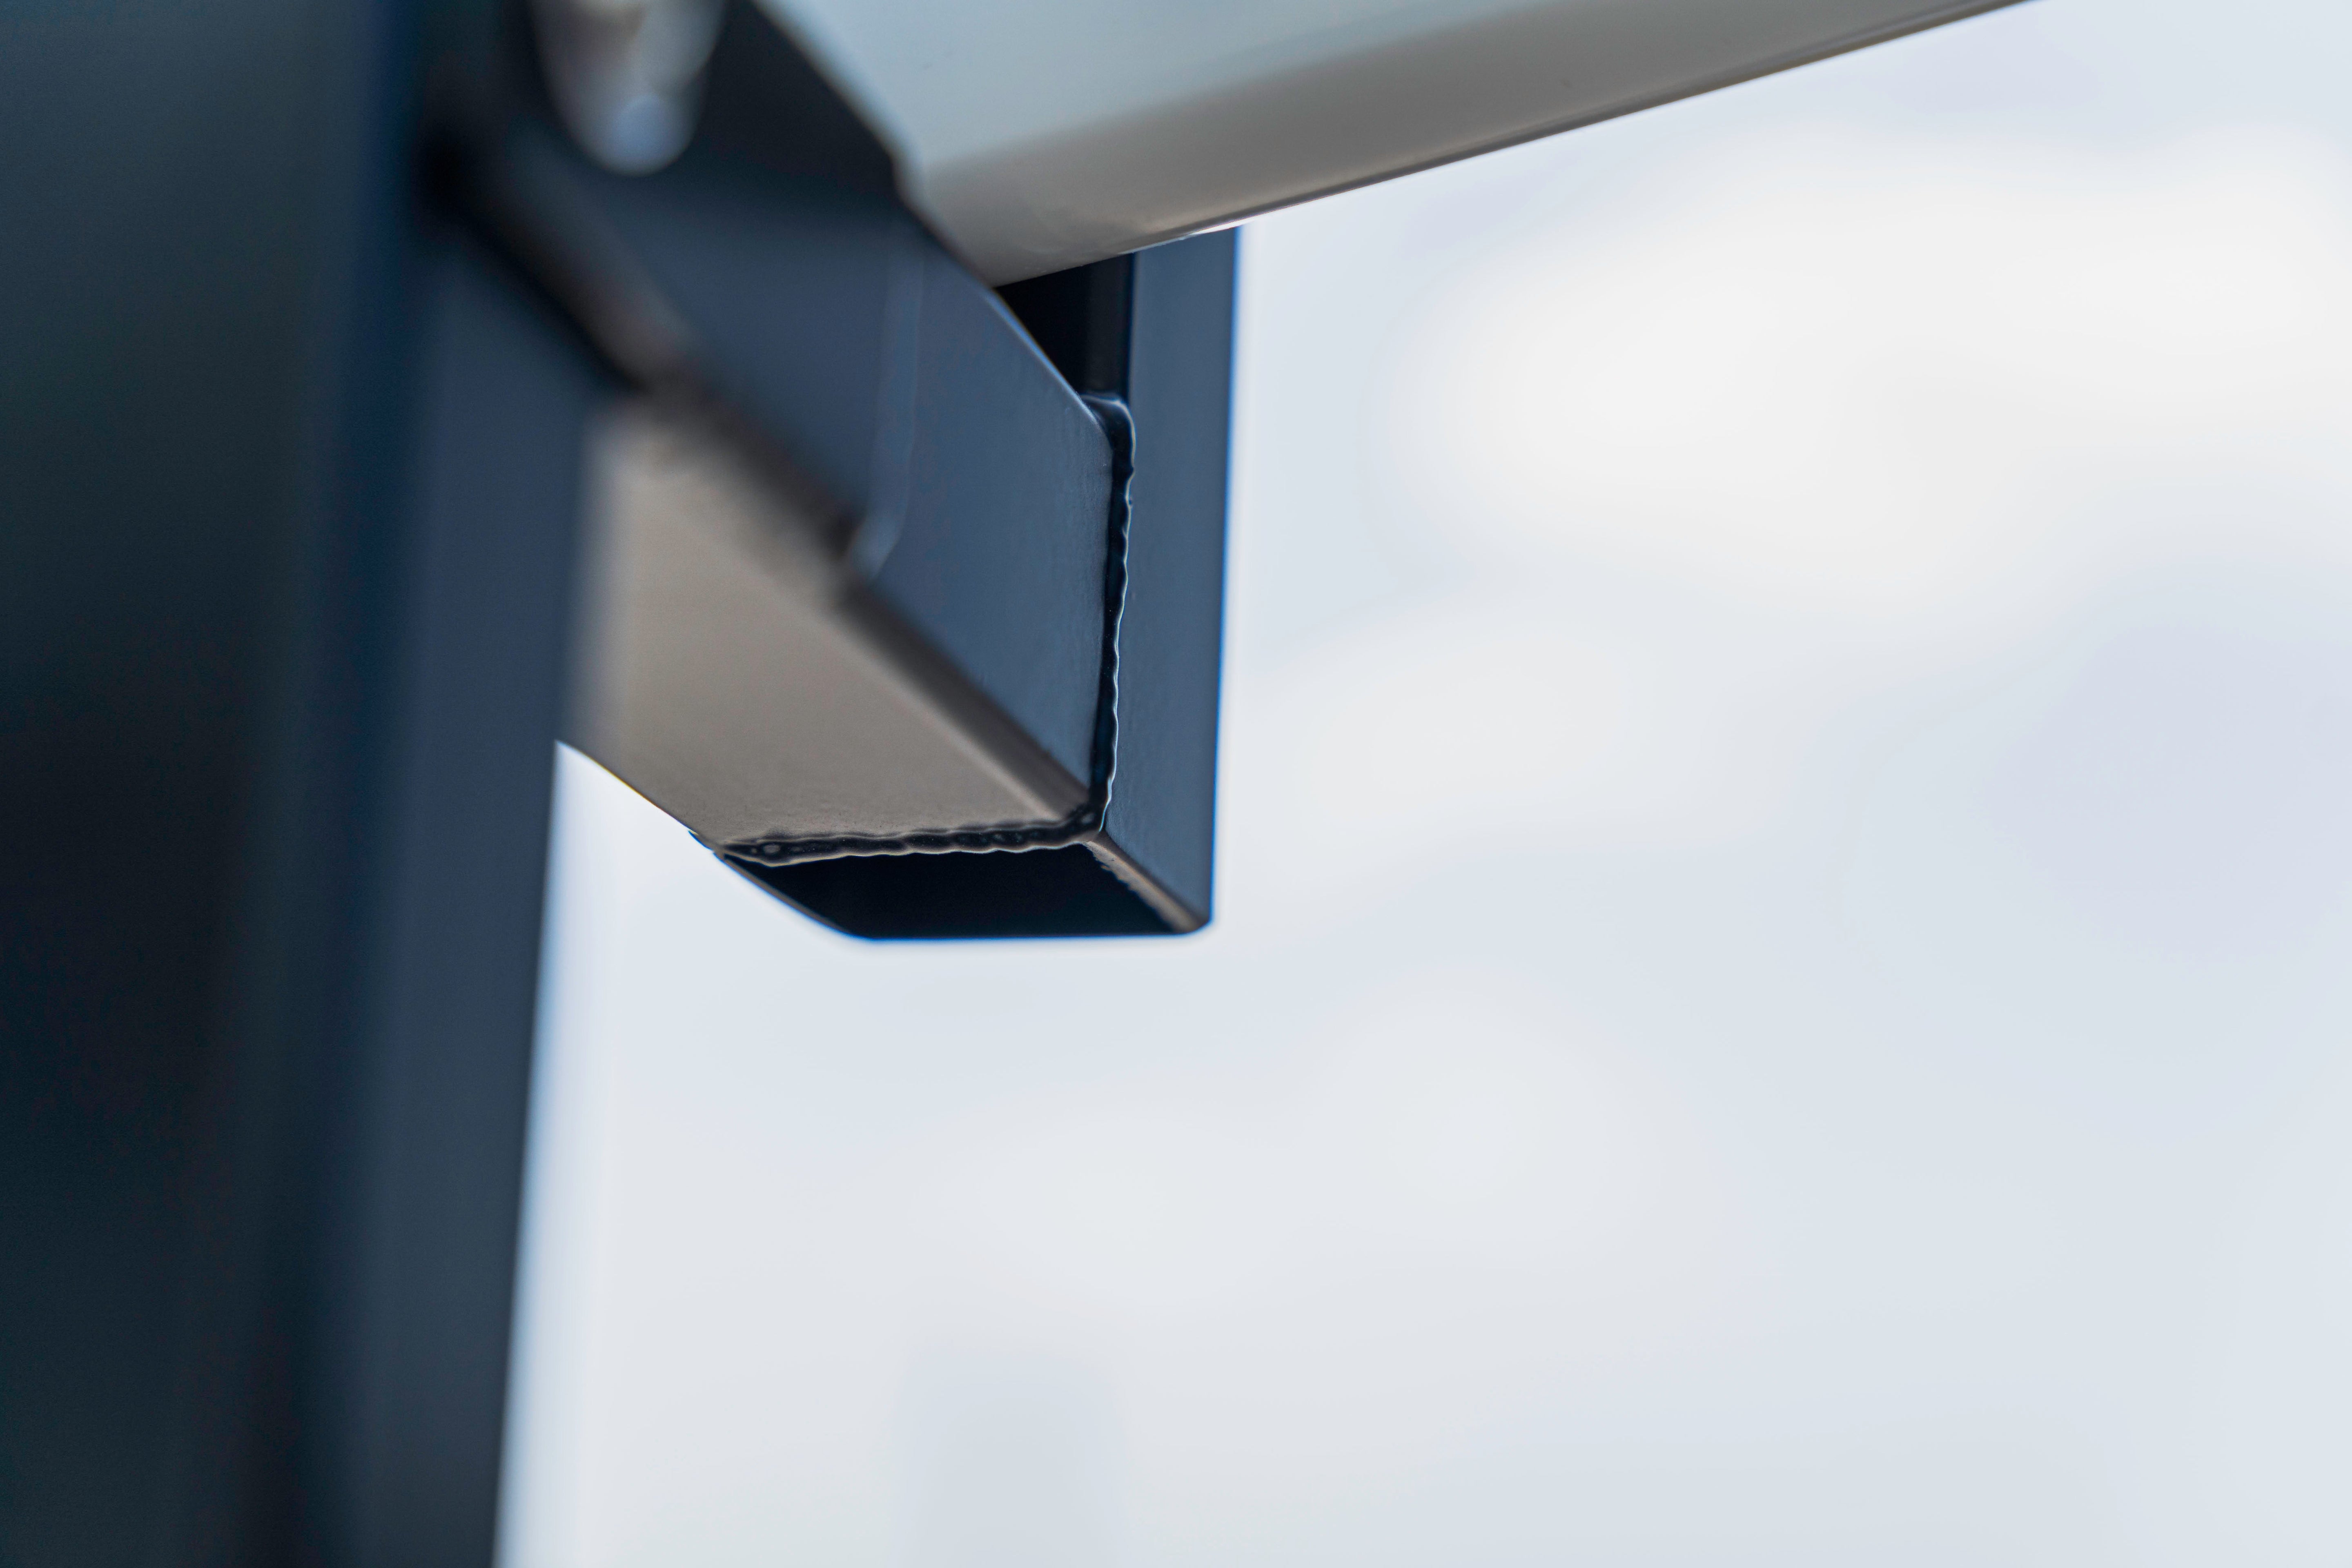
1042,135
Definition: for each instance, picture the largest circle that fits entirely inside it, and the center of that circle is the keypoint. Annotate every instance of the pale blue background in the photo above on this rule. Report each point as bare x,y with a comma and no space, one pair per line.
1781,994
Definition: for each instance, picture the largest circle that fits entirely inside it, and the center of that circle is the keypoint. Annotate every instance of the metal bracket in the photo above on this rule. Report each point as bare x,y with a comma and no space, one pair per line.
859,548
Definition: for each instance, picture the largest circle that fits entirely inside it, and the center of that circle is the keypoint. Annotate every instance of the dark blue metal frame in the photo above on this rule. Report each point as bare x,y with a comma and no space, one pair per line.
290,438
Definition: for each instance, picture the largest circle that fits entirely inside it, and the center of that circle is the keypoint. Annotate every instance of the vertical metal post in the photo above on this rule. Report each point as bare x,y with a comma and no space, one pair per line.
286,495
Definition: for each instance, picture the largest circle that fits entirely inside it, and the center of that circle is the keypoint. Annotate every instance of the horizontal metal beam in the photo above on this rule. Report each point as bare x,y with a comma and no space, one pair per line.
876,584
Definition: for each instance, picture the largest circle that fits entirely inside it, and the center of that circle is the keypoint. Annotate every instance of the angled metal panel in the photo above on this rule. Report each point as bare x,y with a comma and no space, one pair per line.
1043,134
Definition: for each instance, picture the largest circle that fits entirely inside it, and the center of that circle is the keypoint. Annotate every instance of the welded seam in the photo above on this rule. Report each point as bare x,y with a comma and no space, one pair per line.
1081,825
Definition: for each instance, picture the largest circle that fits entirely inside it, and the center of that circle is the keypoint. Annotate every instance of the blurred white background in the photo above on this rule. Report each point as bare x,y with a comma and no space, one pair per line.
1782,991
